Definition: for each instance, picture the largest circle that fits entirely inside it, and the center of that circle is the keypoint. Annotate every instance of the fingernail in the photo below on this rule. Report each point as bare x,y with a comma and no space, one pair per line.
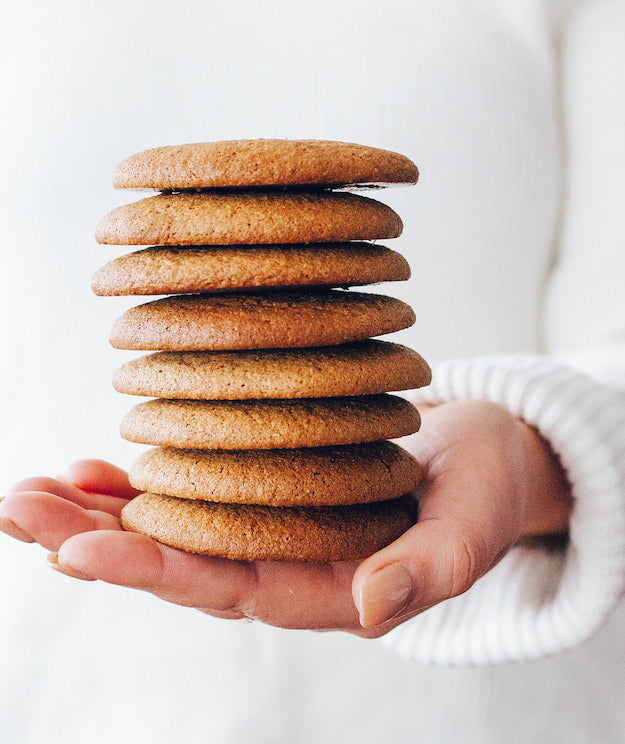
11,529
384,595
53,562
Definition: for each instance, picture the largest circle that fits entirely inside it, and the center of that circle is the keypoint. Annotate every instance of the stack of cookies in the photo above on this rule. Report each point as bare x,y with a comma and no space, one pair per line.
270,414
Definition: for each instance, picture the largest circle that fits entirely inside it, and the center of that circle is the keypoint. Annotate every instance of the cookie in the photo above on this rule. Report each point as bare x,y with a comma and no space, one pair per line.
261,162
178,270
348,474
361,368
268,424
248,218
271,320
249,533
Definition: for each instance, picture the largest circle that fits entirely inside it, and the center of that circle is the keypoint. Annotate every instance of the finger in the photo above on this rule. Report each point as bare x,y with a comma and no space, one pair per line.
134,560
424,567
287,595
98,476
462,533
49,519
471,510
102,502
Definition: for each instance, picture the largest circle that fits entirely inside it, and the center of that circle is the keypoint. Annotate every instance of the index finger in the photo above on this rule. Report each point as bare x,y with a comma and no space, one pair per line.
96,501
99,476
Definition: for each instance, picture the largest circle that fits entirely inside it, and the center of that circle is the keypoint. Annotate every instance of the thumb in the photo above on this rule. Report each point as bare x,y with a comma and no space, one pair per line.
431,562
471,510
468,519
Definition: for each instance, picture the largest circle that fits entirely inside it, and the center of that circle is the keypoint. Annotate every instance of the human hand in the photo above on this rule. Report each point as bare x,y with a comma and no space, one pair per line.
489,480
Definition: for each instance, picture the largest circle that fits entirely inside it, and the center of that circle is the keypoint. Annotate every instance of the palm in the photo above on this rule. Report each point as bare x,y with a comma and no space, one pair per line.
82,524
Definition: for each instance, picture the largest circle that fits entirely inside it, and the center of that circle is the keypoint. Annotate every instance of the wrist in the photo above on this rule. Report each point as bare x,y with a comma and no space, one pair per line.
548,492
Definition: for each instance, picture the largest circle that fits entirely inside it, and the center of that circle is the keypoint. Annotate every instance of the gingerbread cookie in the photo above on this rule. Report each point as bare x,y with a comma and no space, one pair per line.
248,218
361,368
245,532
268,424
259,321
262,162
348,474
178,270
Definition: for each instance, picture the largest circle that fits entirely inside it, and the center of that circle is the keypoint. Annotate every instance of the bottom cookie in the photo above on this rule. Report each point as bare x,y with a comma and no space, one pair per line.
246,532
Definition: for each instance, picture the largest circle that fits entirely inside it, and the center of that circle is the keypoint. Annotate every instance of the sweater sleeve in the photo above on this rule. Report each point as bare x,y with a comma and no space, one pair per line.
535,601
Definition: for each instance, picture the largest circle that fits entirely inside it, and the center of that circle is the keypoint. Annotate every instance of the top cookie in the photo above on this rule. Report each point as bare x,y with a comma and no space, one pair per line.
262,162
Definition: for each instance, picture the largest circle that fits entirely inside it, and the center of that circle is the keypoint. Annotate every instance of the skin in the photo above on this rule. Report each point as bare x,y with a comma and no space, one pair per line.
491,481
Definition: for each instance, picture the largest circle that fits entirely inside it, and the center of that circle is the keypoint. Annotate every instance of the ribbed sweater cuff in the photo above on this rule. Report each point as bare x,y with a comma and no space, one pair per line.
536,602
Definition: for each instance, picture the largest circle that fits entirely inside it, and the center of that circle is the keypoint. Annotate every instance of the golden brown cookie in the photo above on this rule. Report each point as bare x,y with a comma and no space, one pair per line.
176,270
268,424
248,218
348,474
361,368
246,532
271,320
264,162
